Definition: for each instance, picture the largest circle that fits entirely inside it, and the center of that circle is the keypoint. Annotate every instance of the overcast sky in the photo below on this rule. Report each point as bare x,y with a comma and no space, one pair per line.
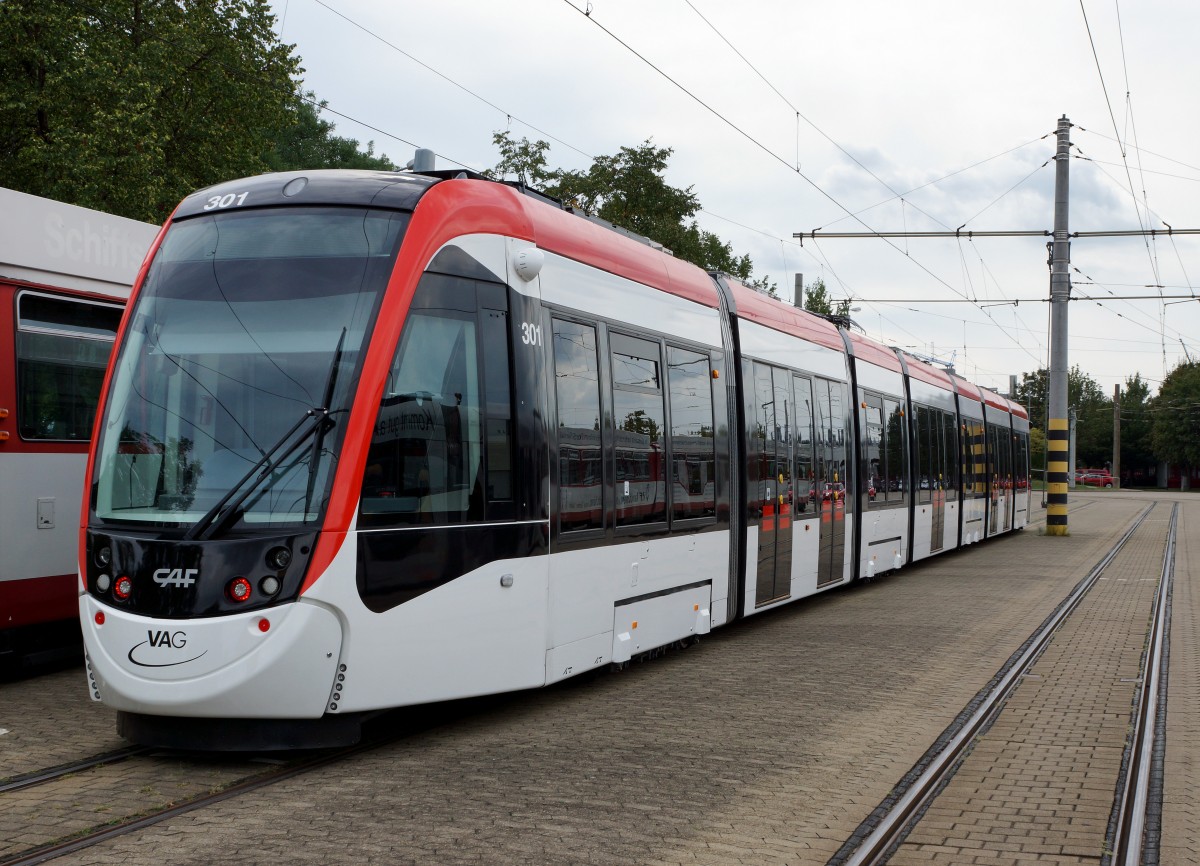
912,91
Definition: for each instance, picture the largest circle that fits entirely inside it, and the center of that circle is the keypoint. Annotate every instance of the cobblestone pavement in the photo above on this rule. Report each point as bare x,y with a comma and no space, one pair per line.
1181,799
769,742
1038,786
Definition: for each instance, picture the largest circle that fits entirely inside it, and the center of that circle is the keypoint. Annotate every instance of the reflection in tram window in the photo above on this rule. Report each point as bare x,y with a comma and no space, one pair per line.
693,454
804,484
638,409
426,453
577,386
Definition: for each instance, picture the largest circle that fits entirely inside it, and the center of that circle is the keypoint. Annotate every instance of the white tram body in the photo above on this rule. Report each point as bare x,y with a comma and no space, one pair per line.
372,440
65,273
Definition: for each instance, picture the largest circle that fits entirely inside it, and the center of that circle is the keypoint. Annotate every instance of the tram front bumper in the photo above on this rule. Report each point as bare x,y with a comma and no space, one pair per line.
218,667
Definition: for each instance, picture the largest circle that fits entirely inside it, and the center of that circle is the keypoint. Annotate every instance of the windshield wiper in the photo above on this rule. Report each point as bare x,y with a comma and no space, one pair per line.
227,508
319,439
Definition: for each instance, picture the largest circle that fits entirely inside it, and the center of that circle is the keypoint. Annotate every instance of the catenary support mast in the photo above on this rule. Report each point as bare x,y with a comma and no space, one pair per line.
1057,436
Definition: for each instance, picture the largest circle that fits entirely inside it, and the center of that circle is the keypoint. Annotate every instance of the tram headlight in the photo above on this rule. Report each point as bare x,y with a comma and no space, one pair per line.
239,589
103,582
123,588
104,556
269,585
278,558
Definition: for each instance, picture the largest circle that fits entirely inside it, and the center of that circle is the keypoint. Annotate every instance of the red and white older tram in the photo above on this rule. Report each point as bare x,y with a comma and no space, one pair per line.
65,273
372,440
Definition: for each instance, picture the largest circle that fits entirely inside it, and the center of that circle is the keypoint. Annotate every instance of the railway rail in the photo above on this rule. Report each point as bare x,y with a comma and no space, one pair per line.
889,824
49,774
1131,838
59,848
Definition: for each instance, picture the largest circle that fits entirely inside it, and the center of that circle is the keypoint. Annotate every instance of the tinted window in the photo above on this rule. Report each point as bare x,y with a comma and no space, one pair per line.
580,464
803,454
640,477
442,450
62,349
894,446
693,458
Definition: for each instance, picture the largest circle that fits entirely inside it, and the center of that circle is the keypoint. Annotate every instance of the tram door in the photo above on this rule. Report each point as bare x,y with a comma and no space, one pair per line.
770,444
831,486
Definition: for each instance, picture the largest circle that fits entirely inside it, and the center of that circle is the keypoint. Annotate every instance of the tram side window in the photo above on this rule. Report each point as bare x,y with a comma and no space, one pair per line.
426,460
580,458
494,344
805,481
62,349
893,437
638,410
874,454
949,453
693,451
1022,461
926,454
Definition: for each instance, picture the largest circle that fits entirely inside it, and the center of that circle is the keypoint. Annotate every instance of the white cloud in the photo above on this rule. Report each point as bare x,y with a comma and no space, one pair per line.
913,90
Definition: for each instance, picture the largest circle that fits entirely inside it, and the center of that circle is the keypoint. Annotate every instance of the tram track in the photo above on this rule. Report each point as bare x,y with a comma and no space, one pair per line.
131,824
878,837
49,774
1131,839
391,728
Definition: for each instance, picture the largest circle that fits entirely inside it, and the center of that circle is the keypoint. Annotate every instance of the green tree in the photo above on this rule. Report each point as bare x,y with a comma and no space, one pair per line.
306,141
1093,419
1175,431
1137,452
817,300
1093,412
128,105
1037,451
523,160
629,190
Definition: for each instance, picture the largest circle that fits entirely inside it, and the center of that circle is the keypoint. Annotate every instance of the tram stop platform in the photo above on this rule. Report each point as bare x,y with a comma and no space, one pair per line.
777,740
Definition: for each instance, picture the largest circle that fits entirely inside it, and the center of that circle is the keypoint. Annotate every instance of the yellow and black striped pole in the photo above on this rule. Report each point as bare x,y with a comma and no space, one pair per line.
1058,434
1057,468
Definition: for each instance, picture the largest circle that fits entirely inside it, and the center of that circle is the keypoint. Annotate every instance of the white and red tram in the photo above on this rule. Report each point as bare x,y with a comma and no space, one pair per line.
65,273
372,440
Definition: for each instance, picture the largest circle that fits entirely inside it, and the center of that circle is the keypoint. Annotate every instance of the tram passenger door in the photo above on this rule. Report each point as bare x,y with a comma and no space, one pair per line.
937,475
831,487
771,484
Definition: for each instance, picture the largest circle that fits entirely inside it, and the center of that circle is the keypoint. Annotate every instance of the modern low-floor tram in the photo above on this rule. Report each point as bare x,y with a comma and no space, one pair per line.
371,440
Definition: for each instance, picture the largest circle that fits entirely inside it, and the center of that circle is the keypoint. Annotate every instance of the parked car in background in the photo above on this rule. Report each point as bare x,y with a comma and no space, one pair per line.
1094,478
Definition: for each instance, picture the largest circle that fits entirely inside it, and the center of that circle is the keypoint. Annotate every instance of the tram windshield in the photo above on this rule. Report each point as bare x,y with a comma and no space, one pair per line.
236,372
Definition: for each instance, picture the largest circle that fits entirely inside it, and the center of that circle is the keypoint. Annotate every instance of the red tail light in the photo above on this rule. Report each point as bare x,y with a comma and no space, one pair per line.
239,589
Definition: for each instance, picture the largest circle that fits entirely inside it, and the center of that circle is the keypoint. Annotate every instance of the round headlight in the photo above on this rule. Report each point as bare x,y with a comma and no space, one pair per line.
103,582
278,558
104,556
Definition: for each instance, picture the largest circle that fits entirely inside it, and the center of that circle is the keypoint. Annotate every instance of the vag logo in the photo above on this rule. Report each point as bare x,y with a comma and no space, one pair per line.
175,640
176,576
155,650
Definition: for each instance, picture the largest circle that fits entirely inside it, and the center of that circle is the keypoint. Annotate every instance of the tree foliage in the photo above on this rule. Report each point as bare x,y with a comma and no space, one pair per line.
629,190
128,105
1137,450
306,141
817,300
1093,412
1175,430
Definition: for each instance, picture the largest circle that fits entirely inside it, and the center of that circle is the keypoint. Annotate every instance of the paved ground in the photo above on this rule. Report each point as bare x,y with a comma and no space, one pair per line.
767,743
1038,785
1181,811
